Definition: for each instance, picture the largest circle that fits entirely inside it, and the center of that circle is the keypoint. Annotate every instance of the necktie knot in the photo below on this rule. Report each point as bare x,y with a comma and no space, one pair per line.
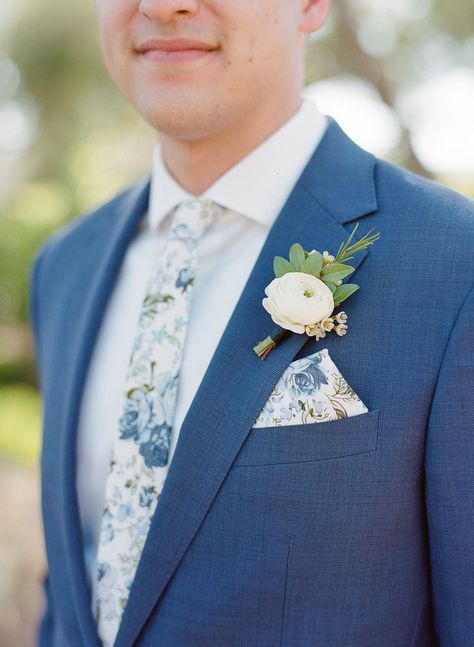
192,217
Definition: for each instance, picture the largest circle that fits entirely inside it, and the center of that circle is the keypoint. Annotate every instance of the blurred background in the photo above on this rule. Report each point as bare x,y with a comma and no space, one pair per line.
398,76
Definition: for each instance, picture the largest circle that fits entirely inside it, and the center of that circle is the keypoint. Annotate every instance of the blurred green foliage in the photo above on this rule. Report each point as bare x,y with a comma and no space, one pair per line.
20,416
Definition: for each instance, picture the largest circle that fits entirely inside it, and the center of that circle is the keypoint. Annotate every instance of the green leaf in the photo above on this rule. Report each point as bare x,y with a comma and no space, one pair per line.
296,256
335,271
344,246
346,251
344,291
313,264
281,266
331,286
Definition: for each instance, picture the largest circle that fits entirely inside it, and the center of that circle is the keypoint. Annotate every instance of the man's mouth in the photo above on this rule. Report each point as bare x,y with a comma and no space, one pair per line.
175,50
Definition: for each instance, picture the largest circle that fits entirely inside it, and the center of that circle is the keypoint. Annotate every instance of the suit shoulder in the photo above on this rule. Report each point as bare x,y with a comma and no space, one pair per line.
82,227
410,197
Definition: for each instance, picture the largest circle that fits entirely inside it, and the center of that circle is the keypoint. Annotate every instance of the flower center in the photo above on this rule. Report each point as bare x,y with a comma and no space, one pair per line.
308,292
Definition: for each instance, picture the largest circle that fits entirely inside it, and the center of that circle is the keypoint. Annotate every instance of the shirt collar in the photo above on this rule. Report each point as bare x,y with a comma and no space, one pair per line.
258,185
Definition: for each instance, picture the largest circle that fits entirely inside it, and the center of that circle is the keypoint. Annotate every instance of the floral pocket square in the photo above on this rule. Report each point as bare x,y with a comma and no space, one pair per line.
310,390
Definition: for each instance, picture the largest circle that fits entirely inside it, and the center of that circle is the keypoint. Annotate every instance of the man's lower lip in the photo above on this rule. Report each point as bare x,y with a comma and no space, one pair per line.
161,56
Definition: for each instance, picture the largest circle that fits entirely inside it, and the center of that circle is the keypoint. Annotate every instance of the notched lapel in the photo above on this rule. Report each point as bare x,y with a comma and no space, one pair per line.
237,383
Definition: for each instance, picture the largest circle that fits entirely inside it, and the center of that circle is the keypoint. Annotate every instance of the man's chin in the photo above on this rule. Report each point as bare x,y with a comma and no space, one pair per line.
191,123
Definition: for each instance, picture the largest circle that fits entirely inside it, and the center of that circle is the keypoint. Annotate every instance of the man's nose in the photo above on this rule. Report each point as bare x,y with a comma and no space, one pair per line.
166,10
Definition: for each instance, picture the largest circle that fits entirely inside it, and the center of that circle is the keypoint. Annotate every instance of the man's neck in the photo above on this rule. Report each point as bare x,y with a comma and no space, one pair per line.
197,164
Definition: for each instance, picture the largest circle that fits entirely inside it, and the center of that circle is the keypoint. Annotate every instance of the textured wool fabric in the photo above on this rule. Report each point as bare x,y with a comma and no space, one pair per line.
356,531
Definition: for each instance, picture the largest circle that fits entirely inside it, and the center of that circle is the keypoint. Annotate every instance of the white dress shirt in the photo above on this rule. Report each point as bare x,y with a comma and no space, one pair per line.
254,190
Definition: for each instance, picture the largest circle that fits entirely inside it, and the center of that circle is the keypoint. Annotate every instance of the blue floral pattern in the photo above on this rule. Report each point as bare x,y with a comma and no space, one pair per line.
310,390
144,428
185,278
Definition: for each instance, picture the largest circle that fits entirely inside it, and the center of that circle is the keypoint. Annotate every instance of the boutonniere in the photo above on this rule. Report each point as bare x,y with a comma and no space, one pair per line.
306,289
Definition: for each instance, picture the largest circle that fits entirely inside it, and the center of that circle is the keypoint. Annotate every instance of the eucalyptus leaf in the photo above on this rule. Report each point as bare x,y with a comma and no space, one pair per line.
296,256
281,266
313,264
335,271
344,291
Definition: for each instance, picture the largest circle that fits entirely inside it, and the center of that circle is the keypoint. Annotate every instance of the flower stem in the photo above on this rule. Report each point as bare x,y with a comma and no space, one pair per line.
263,348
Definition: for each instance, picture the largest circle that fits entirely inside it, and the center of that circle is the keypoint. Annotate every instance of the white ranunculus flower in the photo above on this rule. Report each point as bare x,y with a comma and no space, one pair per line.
296,300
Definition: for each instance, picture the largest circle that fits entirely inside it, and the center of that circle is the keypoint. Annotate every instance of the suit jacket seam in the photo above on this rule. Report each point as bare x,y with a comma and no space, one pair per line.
445,351
418,618
282,630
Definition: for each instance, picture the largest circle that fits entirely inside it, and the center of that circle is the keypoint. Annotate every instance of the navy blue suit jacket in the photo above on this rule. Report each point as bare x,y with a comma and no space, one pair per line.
355,532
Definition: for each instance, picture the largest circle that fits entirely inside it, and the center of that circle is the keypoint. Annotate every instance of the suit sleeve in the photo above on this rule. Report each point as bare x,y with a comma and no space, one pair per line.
449,486
44,636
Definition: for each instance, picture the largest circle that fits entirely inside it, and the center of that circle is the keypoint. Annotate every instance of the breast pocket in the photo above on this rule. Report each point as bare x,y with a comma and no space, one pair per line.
311,441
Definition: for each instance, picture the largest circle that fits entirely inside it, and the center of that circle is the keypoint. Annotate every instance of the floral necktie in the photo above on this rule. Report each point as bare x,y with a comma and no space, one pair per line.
143,441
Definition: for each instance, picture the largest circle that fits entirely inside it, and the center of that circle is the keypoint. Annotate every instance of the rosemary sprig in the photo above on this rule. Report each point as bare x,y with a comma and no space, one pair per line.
346,251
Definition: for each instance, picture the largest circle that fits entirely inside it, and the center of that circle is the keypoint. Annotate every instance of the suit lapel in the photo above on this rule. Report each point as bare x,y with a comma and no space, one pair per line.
102,254
335,187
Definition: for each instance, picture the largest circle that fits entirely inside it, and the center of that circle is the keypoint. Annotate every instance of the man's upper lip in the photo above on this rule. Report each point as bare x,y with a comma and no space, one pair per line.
177,44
